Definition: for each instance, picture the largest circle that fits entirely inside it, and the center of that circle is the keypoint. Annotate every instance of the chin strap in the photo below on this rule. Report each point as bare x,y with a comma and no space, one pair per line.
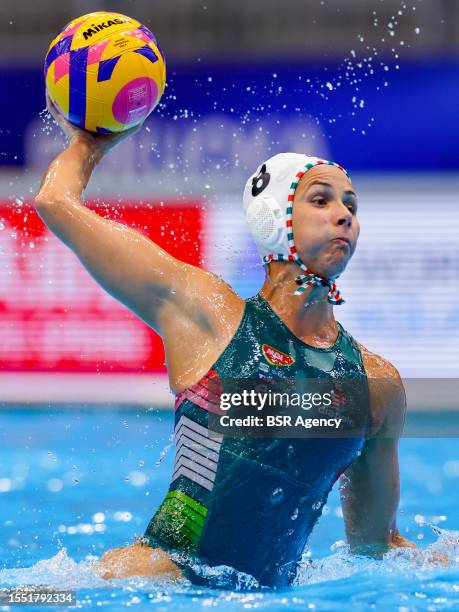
314,280
308,279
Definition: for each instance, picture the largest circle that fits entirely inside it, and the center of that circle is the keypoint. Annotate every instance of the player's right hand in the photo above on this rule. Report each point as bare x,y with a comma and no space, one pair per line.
99,144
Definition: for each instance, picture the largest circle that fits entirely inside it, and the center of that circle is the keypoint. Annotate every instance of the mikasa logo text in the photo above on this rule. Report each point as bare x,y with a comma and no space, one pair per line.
100,26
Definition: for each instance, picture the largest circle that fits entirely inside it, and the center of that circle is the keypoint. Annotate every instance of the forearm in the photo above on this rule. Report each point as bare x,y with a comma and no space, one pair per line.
122,260
128,265
68,174
59,199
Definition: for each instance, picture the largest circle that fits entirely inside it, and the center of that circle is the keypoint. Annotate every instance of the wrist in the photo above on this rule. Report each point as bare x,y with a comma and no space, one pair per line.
86,145
80,138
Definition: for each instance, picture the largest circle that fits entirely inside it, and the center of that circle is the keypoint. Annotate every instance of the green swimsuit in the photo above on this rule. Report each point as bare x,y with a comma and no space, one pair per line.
250,503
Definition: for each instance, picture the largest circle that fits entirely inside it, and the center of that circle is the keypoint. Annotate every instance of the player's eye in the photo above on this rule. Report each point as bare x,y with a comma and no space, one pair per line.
320,200
352,206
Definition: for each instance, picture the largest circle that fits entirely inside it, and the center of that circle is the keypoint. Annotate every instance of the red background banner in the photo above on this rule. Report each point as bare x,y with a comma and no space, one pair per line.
54,316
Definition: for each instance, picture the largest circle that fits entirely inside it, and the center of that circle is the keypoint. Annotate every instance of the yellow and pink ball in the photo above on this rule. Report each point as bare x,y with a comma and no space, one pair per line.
105,72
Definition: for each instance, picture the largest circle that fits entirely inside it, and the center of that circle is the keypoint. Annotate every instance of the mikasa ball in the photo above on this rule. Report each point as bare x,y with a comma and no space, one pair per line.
105,72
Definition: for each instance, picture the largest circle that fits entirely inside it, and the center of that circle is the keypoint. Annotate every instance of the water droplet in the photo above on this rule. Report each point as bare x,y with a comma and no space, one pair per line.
277,495
124,517
5,485
98,517
55,485
295,514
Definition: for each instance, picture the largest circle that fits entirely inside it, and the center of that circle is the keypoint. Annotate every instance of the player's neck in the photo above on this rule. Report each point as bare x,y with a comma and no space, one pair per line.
309,315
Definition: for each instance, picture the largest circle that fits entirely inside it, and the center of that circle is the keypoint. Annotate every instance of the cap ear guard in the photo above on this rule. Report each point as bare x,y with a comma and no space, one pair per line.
266,222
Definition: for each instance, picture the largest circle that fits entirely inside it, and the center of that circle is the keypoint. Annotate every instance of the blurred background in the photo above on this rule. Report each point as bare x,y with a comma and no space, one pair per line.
371,84
85,441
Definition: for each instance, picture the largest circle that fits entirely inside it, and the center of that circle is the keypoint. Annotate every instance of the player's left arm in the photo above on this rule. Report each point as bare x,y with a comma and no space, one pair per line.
370,488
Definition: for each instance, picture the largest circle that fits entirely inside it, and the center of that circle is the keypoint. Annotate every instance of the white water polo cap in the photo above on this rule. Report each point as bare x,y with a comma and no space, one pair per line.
268,205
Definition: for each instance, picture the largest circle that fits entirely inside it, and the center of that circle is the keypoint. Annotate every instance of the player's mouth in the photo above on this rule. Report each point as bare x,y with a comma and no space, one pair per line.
342,241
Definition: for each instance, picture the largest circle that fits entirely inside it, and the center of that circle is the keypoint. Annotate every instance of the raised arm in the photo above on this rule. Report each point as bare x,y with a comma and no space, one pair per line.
186,305
370,488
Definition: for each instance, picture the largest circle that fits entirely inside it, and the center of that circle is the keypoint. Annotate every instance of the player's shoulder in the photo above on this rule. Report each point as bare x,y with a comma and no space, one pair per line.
378,367
387,393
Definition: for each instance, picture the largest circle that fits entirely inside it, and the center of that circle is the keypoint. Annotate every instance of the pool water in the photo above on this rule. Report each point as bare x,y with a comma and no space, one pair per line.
76,483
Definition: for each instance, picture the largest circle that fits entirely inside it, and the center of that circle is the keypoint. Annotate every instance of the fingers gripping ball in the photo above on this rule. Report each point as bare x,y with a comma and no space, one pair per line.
105,72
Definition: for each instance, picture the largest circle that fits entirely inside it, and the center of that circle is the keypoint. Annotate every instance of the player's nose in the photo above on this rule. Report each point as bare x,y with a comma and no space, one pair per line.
343,215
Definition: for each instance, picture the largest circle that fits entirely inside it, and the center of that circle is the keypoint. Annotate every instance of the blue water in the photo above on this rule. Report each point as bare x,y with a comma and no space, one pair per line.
75,484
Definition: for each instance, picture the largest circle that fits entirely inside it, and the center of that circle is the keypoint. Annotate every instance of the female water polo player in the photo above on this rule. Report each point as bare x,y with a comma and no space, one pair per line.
243,502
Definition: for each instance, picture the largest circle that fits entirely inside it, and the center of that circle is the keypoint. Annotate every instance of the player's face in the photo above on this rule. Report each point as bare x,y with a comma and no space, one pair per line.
325,225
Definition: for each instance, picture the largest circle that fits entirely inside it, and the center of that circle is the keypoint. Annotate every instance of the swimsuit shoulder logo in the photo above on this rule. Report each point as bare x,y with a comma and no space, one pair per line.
276,357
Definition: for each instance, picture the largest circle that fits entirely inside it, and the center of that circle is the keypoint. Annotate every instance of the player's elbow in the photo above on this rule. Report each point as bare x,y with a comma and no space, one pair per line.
49,209
43,202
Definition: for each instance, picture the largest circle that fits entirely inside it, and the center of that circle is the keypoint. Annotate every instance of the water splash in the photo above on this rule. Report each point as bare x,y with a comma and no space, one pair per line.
60,572
404,577
398,563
